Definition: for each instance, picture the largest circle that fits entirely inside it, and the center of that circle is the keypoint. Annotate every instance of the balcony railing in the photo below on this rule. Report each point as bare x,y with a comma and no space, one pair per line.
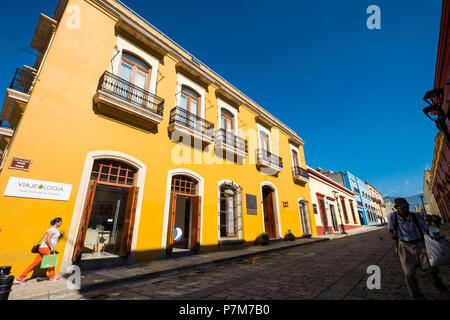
23,80
191,121
131,93
300,172
266,156
231,140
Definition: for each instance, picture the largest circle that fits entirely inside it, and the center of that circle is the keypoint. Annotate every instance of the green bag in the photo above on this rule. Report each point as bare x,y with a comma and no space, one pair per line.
49,261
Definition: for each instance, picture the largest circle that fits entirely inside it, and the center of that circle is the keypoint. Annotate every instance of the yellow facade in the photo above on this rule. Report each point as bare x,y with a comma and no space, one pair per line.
377,201
62,133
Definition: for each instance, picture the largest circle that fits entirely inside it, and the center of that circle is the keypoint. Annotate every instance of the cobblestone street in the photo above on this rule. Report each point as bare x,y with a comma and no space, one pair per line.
334,269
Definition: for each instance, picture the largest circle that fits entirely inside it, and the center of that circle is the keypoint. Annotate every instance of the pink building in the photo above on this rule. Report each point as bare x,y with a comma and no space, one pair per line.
333,204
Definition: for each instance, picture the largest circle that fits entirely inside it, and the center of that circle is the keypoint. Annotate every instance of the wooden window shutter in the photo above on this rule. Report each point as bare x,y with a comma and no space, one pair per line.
79,244
171,222
196,220
128,224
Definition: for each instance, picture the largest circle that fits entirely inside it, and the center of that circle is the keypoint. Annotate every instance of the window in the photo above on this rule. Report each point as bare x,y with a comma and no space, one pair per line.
228,211
264,137
183,185
135,71
295,158
113,173
226,120
190,101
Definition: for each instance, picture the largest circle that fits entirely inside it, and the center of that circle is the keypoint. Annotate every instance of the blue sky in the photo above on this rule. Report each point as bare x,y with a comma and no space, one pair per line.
354,95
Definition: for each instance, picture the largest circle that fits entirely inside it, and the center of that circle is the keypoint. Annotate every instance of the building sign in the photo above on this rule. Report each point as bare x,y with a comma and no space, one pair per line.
37,189
251,204
21,164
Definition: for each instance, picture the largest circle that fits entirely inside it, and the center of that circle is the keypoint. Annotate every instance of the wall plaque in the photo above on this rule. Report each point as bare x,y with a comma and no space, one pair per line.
20,164
251,204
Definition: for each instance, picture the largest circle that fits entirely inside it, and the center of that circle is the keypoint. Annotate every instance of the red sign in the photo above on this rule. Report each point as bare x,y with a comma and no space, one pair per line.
21,164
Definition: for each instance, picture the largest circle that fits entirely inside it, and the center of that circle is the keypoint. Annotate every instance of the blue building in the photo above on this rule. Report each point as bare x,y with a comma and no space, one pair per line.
363,199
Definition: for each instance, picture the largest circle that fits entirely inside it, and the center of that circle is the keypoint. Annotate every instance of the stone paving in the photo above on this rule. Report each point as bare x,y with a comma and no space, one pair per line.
328,270
334,269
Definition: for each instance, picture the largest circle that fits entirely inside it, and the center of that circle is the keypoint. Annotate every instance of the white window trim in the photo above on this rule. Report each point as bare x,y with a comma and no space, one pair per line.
83,191
200,185
122,44
183,81
239,211
223,105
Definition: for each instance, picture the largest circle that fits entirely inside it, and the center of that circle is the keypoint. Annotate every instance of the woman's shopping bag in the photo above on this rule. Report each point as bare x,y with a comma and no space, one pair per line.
437,251
49,261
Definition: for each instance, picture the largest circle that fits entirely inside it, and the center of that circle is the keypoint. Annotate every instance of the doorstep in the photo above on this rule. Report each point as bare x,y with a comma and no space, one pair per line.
103,278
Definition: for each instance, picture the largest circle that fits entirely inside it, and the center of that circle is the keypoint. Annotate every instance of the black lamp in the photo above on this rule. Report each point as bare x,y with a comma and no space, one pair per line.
434,111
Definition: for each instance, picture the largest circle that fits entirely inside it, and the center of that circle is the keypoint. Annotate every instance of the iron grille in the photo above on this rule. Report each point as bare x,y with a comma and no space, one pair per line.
191,121
224,222
230,139
131,93
298,171
269,157
23,80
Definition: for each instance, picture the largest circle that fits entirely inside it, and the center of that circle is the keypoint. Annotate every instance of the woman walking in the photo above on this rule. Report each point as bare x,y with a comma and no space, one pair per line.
48,245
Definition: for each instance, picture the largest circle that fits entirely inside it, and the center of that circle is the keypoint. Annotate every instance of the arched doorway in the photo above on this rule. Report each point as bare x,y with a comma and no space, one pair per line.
107,221
270,224
184,214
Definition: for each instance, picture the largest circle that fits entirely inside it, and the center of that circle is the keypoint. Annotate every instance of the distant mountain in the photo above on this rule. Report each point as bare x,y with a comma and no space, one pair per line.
412,200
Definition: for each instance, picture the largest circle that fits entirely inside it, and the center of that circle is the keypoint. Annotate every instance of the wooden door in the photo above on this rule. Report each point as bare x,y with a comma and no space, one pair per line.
269,221
128,224
171,222
79,244
323,214
196,223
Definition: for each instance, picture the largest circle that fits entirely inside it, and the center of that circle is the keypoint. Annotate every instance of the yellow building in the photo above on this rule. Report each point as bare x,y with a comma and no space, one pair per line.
429,197
377,202
140,148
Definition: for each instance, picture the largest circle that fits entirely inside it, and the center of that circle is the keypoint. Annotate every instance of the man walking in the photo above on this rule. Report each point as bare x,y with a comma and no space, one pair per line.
407,228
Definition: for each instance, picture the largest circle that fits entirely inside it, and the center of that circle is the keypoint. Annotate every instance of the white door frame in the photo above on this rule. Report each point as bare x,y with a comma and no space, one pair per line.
83,191
200,184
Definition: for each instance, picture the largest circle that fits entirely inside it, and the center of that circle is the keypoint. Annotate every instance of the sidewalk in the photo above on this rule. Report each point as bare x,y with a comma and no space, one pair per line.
352,232
98,279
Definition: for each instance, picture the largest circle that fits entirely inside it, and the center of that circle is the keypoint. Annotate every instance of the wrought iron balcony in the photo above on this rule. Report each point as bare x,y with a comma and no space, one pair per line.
229,142
23,80
17,95
300,174
131,93
267,159
187,123
127,102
